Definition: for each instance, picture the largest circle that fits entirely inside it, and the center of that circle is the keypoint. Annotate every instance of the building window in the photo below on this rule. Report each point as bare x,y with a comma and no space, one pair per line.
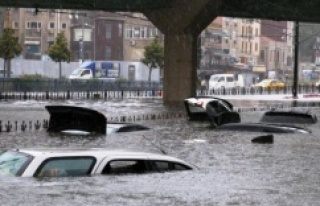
256,47
120,26
15,25
51,25
136,32
262,56
32,48
108,30
108,52
33,25
129,32
64,25
143,32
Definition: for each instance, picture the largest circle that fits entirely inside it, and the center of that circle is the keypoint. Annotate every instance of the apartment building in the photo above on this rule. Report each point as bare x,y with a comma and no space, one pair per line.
92,35
37,30
276,51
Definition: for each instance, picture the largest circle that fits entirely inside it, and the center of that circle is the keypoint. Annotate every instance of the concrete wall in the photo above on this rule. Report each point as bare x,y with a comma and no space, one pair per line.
50,69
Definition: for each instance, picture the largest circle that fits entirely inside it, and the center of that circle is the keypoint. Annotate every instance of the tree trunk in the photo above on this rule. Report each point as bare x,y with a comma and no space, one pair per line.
150,71
8,68
60,70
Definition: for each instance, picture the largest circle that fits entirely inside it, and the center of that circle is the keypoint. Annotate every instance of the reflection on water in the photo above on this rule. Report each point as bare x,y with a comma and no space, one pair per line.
232,171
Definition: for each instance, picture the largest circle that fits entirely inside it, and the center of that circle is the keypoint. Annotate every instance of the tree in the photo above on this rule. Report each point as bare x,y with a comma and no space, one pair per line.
59,51
153,56
9,48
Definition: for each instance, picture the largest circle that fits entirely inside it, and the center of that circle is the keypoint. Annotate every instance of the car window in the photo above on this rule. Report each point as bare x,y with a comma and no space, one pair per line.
214,78
219,106
85,72
221,79
163,166
230,79
66,166
13,163
195,109
119,167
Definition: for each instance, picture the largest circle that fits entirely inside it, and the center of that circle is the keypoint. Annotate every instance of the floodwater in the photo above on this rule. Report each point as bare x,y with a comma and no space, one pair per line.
232,170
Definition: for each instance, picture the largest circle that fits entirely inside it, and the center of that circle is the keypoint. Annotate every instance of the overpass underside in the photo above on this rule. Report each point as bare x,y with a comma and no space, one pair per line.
182,21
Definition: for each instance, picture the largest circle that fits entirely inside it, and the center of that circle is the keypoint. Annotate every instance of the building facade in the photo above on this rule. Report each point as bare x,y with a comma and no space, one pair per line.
37,30
276,51
92,35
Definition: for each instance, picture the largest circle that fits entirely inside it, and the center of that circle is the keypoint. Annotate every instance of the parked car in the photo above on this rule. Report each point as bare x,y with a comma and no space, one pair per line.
218,81
270,84
85,162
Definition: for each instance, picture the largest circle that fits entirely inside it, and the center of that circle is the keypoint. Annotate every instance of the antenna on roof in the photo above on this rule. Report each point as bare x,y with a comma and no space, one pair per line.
159,148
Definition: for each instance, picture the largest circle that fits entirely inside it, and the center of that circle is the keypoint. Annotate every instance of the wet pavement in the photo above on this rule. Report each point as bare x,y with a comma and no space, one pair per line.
232,170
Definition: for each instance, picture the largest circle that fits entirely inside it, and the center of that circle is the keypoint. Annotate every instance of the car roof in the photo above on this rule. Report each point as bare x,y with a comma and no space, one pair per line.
95,152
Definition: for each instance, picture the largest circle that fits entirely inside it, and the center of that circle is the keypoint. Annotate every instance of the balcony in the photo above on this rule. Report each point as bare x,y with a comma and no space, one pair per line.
33,33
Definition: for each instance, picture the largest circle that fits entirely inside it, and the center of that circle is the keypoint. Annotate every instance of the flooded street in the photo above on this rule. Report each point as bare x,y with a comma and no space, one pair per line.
232,170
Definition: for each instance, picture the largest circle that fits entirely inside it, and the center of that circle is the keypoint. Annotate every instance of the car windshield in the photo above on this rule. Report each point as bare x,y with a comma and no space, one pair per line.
265,81
77,72
215,79
11,163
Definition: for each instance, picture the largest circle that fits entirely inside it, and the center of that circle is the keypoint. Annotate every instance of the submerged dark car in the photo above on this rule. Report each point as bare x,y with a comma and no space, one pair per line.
217,111
74,120
220,114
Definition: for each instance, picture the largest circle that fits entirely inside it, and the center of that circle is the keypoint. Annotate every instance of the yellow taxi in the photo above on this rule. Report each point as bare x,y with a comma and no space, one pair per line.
270,84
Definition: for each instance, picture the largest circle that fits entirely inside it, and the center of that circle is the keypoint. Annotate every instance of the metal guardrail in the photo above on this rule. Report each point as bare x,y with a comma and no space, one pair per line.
305,89
97,89
61,85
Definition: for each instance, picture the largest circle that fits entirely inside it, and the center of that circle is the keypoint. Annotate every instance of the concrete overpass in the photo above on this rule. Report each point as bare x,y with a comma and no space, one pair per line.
182,21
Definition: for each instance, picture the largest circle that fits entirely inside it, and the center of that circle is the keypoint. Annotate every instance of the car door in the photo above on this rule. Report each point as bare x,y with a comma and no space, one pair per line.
121,165
273,84
230,82
221,82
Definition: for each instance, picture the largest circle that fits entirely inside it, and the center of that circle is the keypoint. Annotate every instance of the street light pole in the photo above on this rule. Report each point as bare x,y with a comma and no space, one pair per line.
81,41
296,62
94,39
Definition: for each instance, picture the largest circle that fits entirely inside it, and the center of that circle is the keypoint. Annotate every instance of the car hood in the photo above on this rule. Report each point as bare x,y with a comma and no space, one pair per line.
76,118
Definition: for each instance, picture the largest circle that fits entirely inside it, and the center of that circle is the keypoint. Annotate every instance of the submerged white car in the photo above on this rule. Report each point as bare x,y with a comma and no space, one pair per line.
85,162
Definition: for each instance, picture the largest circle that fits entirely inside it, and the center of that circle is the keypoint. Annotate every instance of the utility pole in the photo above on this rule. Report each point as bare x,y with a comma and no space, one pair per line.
296,63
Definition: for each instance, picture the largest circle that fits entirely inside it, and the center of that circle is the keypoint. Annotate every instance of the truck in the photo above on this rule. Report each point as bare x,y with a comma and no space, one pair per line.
112,70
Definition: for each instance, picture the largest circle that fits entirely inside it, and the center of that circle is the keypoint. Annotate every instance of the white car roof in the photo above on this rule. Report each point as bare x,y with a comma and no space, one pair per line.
95,152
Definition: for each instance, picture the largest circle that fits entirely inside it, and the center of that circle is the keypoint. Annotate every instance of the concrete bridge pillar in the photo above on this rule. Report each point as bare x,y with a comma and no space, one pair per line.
181,26
180,67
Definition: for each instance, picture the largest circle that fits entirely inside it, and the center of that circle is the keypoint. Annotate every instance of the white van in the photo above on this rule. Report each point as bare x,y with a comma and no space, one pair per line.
217,81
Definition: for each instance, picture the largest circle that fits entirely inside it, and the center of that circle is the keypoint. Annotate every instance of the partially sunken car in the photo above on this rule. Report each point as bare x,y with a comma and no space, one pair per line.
74,120
85,162
221,115
217,111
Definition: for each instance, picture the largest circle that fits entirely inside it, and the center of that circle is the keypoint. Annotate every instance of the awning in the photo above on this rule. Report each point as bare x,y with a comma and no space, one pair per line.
32,42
